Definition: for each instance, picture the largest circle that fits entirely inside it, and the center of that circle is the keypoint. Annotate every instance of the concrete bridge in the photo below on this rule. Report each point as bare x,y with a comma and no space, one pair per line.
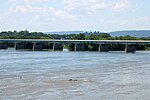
78,45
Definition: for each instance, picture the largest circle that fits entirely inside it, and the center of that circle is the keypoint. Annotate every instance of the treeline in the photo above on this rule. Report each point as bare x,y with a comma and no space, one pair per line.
105,36
95,36
81,36
23,35
33,35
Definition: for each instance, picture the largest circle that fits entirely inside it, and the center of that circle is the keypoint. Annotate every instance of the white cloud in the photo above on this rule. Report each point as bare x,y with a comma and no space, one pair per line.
121,4
29,2
12,1
88,14
84,4
93,5
37,0
50,10
18,9
98,6
69,4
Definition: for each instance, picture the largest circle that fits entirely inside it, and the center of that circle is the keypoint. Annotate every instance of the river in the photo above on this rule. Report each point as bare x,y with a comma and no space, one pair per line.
68,75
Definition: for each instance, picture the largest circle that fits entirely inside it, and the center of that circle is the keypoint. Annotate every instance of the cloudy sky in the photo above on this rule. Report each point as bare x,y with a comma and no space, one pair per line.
71,15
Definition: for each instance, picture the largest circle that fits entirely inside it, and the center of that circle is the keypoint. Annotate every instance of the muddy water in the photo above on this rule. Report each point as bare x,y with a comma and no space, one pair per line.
94,75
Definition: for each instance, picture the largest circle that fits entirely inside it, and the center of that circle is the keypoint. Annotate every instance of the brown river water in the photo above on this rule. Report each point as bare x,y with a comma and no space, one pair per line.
27,75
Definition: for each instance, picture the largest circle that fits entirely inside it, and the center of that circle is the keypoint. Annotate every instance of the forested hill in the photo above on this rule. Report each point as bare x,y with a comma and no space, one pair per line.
64,32
135,33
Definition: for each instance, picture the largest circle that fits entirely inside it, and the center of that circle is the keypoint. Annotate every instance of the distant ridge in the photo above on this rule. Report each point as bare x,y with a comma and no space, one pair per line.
135,33
65,32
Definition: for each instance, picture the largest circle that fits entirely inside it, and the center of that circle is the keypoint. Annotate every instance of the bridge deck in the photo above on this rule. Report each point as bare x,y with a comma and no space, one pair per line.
74,41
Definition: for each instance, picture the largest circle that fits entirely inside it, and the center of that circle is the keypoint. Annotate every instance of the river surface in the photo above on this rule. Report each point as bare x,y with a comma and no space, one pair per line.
27,75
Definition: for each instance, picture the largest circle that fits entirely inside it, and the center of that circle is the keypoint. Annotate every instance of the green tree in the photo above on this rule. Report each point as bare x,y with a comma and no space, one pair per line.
80,36
92,37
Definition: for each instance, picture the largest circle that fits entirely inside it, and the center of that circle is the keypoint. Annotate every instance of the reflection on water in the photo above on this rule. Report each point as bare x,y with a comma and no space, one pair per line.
99,76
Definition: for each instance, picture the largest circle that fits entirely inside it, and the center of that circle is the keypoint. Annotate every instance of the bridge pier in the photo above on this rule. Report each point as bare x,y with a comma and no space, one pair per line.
103,47
130,49
57,47
18,46
79,47
37,47
3,46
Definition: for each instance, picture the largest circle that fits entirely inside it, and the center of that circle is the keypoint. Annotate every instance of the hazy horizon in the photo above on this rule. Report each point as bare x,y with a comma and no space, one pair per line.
75,31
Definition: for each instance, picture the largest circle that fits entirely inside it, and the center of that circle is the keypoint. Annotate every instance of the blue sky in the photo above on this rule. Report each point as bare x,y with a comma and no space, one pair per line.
71,15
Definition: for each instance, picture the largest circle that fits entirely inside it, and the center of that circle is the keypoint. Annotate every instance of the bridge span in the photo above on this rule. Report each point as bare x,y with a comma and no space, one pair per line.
78,45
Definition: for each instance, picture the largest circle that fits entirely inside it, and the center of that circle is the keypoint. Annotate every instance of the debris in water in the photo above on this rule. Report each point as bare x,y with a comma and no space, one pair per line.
72,80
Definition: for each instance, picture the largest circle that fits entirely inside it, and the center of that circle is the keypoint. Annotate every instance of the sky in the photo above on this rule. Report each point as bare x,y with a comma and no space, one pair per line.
74,15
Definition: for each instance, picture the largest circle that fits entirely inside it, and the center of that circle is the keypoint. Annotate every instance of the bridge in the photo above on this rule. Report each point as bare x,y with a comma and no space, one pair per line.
78,45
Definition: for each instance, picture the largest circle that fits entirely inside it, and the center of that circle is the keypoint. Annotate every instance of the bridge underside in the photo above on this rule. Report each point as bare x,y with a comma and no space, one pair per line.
38,46
131,48
3,46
